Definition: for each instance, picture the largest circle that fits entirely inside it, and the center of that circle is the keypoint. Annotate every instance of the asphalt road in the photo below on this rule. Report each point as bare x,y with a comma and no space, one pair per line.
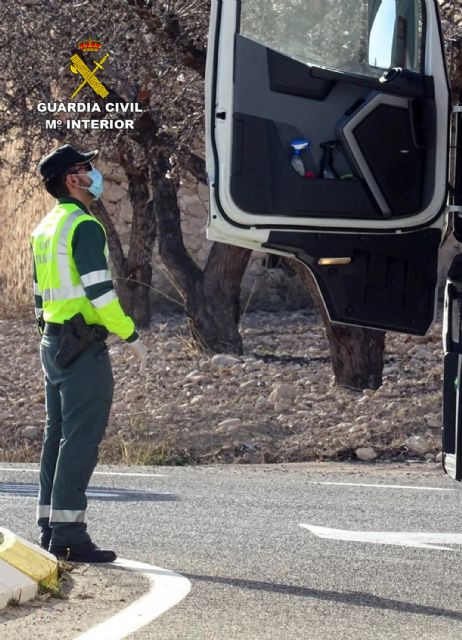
235,533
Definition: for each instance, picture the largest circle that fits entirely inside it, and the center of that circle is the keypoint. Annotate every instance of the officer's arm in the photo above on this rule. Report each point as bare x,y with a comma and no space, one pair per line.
88,244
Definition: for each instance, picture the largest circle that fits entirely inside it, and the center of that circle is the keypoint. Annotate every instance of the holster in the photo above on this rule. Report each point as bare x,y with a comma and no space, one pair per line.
41,324
75,337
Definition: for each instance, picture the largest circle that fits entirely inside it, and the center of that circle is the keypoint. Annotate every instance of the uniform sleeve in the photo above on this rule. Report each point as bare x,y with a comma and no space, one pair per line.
88,244
38,301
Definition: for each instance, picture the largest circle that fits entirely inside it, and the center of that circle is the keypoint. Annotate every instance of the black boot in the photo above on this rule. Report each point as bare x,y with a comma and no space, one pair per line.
45,538
87,552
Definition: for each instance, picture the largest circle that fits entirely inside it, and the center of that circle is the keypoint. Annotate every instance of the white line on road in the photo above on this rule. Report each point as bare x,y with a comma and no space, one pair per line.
166,590
129,473
383,486
97,473
416,539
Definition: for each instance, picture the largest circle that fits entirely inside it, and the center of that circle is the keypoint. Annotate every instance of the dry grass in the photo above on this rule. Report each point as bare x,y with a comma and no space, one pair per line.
142,452
23,208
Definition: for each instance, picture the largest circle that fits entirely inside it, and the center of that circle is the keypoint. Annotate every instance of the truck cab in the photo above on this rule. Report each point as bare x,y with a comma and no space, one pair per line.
328,128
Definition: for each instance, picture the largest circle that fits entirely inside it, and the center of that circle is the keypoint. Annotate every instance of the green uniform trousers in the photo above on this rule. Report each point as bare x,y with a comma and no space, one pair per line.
78,400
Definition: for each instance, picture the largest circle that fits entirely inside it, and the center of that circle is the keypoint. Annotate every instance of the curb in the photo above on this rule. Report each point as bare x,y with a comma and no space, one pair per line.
23,568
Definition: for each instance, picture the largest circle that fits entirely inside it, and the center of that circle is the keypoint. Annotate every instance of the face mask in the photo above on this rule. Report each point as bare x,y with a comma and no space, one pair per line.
96,188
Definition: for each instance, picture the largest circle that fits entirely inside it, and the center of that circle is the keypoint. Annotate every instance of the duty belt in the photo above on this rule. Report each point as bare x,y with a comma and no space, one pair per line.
53,328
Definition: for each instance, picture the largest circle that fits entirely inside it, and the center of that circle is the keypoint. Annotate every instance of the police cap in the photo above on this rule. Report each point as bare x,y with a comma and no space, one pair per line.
60,160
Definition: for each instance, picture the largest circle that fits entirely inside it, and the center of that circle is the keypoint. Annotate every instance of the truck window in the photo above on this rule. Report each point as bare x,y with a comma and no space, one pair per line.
353,36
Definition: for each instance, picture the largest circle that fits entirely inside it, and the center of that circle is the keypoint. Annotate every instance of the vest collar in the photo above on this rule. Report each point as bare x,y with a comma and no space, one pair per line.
69,200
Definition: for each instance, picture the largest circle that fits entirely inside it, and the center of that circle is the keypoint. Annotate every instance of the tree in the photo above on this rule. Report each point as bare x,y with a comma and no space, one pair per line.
357,353
157,59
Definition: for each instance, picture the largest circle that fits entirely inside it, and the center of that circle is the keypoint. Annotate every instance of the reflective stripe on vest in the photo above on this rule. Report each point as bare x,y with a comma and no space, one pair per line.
59,282
104,299
96,277
67,291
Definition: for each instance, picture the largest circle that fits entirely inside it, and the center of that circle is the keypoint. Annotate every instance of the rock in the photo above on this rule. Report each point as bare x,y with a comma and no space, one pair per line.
435,432
224,360
31,432
313,420
261,402
390,371
342,426
195,377
114,192
191,374
434,422
357,428
247,384
126,211
228,425
430,457
247,458
439,457
418,445
282,405
284,392
203,192
248,367
366,454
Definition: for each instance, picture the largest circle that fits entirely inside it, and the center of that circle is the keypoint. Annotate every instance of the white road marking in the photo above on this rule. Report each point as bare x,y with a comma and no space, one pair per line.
383,486
134,475
98,473
417,539
166,590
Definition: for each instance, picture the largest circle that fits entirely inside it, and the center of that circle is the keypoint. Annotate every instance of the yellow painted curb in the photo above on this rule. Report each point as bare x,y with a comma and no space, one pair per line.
29,558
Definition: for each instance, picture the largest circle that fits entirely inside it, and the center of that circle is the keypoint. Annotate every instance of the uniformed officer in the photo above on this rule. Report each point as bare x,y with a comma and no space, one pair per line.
71,276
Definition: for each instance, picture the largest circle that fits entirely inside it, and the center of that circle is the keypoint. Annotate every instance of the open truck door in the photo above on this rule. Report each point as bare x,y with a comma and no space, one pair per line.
327,141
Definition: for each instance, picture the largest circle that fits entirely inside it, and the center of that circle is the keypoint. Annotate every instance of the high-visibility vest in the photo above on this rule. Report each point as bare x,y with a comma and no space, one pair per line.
58,281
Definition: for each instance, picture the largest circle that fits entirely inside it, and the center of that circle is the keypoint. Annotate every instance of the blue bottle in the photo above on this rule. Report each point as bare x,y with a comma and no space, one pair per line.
296,160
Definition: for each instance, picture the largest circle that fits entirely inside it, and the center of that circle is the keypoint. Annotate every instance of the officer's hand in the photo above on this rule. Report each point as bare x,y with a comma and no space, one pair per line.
140,352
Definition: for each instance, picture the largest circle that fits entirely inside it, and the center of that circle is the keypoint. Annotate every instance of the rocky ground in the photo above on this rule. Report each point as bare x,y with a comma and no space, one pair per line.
276,403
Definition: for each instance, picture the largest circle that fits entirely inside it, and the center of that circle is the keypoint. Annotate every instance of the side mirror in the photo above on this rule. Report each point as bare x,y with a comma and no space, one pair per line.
382,36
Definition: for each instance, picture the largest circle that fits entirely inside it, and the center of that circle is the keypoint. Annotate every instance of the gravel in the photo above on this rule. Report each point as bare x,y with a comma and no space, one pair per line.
276,403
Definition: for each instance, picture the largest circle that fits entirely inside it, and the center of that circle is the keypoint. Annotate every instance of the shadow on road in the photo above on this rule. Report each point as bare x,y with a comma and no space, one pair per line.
28,490
353,598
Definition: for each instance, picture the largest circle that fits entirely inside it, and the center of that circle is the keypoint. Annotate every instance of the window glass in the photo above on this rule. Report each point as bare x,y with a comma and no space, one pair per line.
355,36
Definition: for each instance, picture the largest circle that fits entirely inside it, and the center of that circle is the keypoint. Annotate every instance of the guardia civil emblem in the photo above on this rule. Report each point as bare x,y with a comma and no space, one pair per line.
78,66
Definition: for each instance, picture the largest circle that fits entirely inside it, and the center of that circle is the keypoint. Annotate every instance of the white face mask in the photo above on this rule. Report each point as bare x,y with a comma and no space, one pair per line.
97,184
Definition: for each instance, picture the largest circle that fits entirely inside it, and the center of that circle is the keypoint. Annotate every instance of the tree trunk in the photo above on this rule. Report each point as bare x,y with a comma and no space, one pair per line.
211,297
357,353
133,274
118,260
214,311
135,292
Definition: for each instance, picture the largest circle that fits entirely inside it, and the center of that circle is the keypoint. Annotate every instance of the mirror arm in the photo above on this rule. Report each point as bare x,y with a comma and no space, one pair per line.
390,74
